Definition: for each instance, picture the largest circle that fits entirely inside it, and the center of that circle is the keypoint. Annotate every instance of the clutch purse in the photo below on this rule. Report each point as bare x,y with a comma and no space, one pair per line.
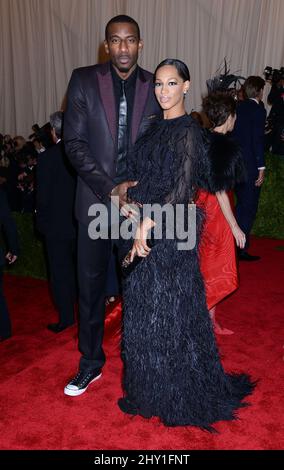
127,266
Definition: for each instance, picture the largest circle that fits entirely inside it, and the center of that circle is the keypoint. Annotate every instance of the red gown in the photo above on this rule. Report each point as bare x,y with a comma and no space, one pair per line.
217,251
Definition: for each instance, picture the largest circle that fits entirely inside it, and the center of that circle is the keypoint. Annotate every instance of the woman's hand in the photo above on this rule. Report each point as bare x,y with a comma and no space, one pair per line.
140,247
225,205
239,236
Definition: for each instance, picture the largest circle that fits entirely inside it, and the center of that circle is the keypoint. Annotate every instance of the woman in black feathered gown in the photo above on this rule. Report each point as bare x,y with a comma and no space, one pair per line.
172,368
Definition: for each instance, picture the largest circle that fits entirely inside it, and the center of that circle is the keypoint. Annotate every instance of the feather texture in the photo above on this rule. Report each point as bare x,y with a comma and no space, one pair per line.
225,163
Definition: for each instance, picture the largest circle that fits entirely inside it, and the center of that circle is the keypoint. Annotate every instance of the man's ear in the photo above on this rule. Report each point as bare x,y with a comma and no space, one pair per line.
106,46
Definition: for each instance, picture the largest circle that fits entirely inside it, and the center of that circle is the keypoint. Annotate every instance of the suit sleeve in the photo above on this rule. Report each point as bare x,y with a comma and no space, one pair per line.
258,126
76,141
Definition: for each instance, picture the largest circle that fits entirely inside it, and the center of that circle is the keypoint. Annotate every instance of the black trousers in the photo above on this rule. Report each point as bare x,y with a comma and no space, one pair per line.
247,205
62,276
93,265
5,323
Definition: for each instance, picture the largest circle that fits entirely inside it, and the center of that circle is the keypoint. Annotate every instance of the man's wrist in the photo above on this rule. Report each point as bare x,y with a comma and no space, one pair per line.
111,191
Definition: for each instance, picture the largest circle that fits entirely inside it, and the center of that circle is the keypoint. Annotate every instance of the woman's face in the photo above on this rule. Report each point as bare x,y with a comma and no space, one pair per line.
170,89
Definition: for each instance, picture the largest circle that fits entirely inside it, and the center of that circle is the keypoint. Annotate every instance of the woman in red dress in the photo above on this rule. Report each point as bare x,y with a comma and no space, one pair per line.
221,231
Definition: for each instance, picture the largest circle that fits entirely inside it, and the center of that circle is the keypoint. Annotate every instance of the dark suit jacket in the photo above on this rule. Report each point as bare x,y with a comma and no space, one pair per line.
56,182
249,132
9,226
90,129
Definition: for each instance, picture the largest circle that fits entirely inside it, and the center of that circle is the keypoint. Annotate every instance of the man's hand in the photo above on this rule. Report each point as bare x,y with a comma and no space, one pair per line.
120,192
11,258
260,178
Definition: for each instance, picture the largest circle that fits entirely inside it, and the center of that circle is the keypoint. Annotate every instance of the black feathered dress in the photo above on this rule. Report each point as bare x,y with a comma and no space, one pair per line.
172,368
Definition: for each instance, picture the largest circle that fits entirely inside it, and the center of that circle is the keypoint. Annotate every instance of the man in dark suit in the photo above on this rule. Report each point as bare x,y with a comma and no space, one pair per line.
10,231
249,132
276,116
56,181
108,107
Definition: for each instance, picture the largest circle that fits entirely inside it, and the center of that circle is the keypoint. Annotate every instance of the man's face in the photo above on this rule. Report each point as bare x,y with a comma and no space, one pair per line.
123,47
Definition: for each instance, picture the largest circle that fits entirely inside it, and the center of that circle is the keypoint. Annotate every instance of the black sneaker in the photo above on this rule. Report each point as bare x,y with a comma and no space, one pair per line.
81,382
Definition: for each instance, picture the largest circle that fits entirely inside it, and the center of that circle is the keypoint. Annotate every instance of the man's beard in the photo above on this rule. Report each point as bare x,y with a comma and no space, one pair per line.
123,69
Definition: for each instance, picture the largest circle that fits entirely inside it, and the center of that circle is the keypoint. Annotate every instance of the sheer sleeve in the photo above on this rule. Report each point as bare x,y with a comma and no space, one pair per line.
190,149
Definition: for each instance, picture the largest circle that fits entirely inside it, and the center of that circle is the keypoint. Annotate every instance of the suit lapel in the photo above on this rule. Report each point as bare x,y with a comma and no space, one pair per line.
141,93
108,99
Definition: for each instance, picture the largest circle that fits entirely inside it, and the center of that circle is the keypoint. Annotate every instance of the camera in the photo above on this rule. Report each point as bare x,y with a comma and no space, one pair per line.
274,75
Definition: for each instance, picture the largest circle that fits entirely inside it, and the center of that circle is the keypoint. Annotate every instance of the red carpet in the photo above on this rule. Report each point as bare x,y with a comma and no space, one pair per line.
35,364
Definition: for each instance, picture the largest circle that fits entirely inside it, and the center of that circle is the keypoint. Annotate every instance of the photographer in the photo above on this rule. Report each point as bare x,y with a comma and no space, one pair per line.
276,116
